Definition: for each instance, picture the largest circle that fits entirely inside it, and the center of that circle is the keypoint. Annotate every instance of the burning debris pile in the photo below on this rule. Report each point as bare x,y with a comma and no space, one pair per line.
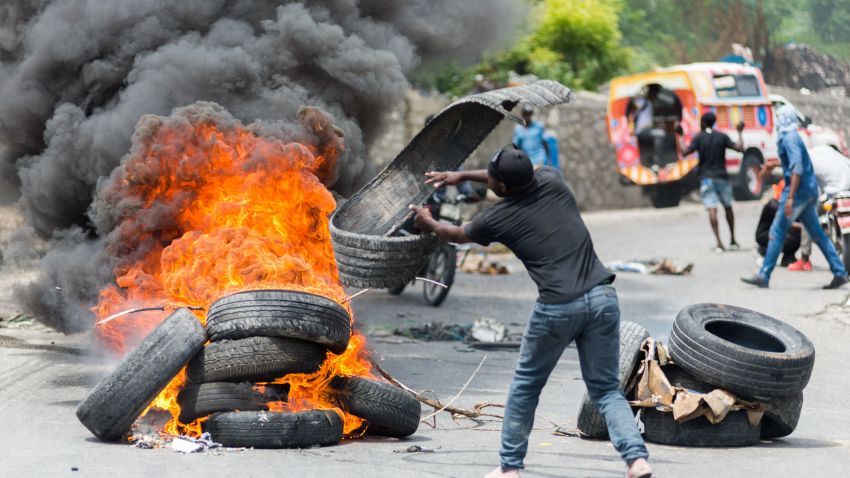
207,213
76,77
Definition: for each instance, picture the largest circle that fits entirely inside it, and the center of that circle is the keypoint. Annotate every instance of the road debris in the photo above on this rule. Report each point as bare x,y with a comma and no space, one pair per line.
652,266
186,444
436,331
483,263
414,449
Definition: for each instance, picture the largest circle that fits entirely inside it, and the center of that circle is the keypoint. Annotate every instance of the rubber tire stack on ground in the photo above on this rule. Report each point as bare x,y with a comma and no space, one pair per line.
260,336
589,421
754,356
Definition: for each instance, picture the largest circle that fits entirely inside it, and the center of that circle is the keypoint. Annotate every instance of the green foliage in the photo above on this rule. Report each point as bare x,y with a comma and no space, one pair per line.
584,43
832,18
578,41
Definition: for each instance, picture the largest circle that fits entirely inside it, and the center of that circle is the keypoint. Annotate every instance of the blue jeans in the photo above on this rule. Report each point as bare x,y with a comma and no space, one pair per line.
593,321
804,210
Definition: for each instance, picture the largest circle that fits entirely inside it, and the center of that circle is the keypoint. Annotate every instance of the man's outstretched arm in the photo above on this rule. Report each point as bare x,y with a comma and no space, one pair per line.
447,232
453,178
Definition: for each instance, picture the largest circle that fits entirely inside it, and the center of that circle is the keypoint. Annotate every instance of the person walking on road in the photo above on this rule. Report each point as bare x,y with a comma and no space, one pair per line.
531,138
798,201
539,221
832,170
715,189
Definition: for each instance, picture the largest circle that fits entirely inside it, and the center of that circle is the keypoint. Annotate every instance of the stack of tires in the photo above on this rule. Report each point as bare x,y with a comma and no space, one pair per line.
755,357
254,337
749,354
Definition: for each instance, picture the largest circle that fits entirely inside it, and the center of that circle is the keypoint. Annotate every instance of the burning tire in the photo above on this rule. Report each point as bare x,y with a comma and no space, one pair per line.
276,430
377,261
742,351
389,410
280,313
254,359
197,401
111,408
590,421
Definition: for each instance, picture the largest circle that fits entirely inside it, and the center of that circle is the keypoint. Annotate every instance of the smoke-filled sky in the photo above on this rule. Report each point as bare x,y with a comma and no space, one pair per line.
77,75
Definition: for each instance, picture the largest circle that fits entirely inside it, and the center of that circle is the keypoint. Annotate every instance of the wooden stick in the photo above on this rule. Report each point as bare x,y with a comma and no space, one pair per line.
353,296
462,389
476,412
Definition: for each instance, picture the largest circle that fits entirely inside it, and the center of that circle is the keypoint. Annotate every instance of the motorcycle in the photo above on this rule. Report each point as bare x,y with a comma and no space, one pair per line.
442,263
835,220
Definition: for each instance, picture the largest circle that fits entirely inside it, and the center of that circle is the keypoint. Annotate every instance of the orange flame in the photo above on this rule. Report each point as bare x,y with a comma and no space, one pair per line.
247,212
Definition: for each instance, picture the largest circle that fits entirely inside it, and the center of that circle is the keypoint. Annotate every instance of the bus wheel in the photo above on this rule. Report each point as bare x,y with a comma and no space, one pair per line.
665,195
748,186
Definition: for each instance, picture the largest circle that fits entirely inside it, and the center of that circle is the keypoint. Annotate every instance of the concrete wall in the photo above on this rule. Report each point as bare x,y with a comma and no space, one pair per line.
824,109
587,159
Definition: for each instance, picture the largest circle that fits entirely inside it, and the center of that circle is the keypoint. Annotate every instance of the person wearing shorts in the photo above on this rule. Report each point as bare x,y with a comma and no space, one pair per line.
715,187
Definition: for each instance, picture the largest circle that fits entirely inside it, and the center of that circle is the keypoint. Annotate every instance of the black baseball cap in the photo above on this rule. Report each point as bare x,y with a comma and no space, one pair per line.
512,167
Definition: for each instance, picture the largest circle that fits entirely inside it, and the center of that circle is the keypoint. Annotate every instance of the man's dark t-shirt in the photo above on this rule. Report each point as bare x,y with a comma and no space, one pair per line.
711,146
544,229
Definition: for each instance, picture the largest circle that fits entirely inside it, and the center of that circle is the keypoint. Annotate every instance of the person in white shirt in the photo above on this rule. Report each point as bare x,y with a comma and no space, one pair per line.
832,170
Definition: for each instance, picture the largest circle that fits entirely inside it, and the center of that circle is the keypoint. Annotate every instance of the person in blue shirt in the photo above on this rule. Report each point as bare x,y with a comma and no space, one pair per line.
797,202
530,138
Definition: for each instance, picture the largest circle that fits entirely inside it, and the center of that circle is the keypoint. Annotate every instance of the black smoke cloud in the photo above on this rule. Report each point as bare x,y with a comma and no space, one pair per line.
77,75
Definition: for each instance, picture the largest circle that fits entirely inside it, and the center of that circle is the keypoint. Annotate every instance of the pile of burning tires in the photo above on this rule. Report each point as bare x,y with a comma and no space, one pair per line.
757,358
255,337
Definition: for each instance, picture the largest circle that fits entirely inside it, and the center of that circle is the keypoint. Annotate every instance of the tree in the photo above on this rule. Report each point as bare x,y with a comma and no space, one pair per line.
832,18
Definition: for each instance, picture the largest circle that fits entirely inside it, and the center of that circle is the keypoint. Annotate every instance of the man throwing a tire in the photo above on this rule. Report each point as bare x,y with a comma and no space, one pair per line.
539,221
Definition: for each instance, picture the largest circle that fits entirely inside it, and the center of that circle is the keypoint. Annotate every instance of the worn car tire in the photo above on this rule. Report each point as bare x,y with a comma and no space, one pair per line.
379,262
734,431
275,429
197,401
254,359
781,416
742,351
280,313
388,410
111,408
746,186
590,422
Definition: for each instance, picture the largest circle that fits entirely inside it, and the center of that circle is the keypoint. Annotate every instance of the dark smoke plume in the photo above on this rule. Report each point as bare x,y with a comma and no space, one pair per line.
77,75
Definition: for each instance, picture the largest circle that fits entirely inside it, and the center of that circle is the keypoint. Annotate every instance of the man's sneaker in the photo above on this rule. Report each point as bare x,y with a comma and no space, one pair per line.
639,469
800,266
837,281
734,247
499,473
759,281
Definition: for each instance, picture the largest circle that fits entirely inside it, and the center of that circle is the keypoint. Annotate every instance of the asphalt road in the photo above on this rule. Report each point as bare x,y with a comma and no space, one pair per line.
43,375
